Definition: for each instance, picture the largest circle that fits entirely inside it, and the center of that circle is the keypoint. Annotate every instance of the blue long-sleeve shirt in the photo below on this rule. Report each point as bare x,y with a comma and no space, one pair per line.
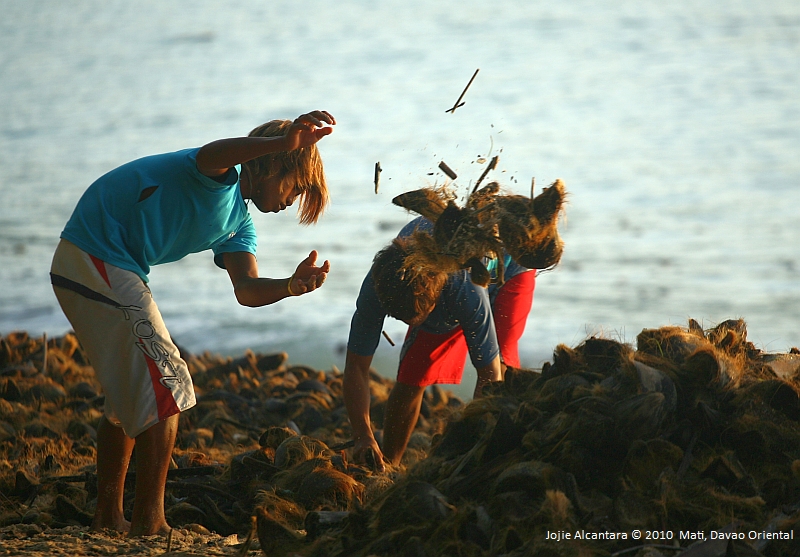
461,303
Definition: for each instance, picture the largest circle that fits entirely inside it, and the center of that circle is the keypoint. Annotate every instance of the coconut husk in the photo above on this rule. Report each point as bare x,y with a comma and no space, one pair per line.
594,402
246,438
487,225
428,202
605,438
276,538
528,228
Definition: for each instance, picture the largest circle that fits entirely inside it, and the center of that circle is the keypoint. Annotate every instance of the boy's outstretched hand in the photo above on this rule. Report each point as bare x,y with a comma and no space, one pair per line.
308,276
309,128
366,450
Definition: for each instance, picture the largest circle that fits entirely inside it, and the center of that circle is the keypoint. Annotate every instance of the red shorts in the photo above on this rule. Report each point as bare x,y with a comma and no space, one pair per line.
510,309
431,358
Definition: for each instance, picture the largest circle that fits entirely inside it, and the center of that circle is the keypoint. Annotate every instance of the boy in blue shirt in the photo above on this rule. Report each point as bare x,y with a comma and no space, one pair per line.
448,317
156,210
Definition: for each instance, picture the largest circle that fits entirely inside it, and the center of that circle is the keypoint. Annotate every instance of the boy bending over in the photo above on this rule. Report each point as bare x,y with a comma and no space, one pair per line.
156,210
448,317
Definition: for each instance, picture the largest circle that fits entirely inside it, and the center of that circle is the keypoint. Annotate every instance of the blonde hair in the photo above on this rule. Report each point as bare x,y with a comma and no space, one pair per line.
303,166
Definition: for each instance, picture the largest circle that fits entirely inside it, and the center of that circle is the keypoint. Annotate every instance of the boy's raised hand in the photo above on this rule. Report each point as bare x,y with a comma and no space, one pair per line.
308,276
309,128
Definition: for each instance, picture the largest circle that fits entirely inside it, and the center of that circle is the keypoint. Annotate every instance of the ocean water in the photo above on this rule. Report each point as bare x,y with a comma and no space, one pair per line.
676,128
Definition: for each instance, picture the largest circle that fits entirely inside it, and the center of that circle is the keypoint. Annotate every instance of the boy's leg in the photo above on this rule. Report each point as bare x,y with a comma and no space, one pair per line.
113,455
425,359
510,310
145,381
402,412
153,454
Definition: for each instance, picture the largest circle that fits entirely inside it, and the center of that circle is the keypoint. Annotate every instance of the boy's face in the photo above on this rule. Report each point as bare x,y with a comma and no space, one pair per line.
274,193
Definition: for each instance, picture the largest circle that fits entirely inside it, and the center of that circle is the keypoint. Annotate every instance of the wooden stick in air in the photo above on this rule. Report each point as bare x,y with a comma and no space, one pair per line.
378,171
447,170
456,105
492,166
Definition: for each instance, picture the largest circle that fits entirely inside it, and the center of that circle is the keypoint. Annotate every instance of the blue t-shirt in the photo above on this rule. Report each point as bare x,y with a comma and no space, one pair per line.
460,303
159,209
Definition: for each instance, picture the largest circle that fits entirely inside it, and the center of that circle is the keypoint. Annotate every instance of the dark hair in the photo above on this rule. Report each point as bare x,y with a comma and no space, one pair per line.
406,294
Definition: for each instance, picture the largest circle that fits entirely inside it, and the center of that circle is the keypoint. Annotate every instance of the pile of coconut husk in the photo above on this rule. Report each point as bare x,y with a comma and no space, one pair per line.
263,434
691,430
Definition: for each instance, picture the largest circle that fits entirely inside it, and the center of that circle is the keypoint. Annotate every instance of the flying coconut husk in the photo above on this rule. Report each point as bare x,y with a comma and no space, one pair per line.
528,228
461,236
488,224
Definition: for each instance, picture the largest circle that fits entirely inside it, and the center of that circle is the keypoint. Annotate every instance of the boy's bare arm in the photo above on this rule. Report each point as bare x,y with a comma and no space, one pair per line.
488,374
356,400
254,291
215,158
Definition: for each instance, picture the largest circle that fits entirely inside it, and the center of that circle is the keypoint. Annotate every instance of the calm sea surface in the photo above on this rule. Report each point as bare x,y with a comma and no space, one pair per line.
676,128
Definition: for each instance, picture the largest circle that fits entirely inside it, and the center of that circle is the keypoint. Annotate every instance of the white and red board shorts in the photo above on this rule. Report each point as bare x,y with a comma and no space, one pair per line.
119,326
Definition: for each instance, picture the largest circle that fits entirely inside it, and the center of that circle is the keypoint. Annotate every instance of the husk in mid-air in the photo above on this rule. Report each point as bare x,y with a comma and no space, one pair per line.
490,224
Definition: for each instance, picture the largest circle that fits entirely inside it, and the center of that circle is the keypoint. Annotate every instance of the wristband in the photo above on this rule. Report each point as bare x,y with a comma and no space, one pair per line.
289,287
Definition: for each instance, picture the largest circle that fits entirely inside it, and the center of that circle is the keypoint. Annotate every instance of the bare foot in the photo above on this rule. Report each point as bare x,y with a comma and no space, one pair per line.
162,529
120,525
